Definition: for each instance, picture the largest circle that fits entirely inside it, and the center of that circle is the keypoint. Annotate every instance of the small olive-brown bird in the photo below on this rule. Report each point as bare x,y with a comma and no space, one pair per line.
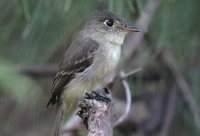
91,57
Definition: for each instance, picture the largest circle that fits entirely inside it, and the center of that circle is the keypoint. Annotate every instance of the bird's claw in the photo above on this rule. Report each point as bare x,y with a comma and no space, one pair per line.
97,96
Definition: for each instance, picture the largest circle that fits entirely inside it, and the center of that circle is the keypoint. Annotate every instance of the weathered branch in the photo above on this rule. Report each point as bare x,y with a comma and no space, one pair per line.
97,114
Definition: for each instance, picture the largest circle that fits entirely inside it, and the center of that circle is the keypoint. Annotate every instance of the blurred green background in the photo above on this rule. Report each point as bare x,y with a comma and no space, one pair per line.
34,34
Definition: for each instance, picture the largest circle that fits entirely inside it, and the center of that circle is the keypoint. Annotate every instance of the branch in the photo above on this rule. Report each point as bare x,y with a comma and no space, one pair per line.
97,114
35,70
130,73
128,95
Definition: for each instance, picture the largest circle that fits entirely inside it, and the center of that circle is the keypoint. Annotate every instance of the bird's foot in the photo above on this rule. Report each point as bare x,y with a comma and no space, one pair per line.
97,96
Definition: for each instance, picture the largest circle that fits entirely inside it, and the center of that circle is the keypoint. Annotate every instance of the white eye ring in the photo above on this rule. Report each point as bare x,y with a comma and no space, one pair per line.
109,23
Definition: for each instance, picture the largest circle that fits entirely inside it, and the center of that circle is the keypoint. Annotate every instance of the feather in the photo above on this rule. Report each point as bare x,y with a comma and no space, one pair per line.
77,58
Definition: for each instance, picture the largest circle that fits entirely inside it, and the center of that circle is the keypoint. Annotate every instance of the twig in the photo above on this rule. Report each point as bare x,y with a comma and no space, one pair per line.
130,73
128,96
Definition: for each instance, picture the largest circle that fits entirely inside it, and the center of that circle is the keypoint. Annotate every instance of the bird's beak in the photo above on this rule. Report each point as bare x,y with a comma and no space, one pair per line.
131,29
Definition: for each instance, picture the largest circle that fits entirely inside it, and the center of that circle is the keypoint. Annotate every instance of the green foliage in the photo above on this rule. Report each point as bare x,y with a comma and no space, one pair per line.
34,29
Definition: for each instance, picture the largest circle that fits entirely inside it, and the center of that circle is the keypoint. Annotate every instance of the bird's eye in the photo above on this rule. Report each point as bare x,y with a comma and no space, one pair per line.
108,23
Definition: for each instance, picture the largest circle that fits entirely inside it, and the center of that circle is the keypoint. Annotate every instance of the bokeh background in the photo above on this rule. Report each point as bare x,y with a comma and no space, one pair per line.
166,93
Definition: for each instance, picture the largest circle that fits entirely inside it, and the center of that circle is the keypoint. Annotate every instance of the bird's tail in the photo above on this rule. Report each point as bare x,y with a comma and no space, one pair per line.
58,121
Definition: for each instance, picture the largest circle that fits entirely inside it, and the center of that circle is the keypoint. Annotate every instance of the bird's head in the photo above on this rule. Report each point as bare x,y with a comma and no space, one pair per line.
108,25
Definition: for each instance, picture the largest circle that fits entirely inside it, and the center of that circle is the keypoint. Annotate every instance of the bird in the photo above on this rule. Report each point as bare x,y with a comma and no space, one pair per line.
90,58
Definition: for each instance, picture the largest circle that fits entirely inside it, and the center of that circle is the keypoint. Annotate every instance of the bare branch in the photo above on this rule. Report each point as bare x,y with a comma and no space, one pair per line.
130,73
96,113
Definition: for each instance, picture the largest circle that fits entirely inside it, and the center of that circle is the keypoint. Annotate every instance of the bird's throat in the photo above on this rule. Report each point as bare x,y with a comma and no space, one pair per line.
115,39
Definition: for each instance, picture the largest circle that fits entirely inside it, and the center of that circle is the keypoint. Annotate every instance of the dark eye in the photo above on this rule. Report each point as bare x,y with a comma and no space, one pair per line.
108,23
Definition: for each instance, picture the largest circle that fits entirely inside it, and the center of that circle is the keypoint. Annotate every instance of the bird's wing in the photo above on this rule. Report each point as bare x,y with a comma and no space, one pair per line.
77,58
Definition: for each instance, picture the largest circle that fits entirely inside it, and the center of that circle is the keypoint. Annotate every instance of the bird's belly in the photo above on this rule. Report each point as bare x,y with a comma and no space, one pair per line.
75,90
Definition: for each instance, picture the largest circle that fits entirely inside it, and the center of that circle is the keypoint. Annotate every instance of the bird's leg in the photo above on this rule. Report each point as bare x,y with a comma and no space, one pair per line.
100,97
